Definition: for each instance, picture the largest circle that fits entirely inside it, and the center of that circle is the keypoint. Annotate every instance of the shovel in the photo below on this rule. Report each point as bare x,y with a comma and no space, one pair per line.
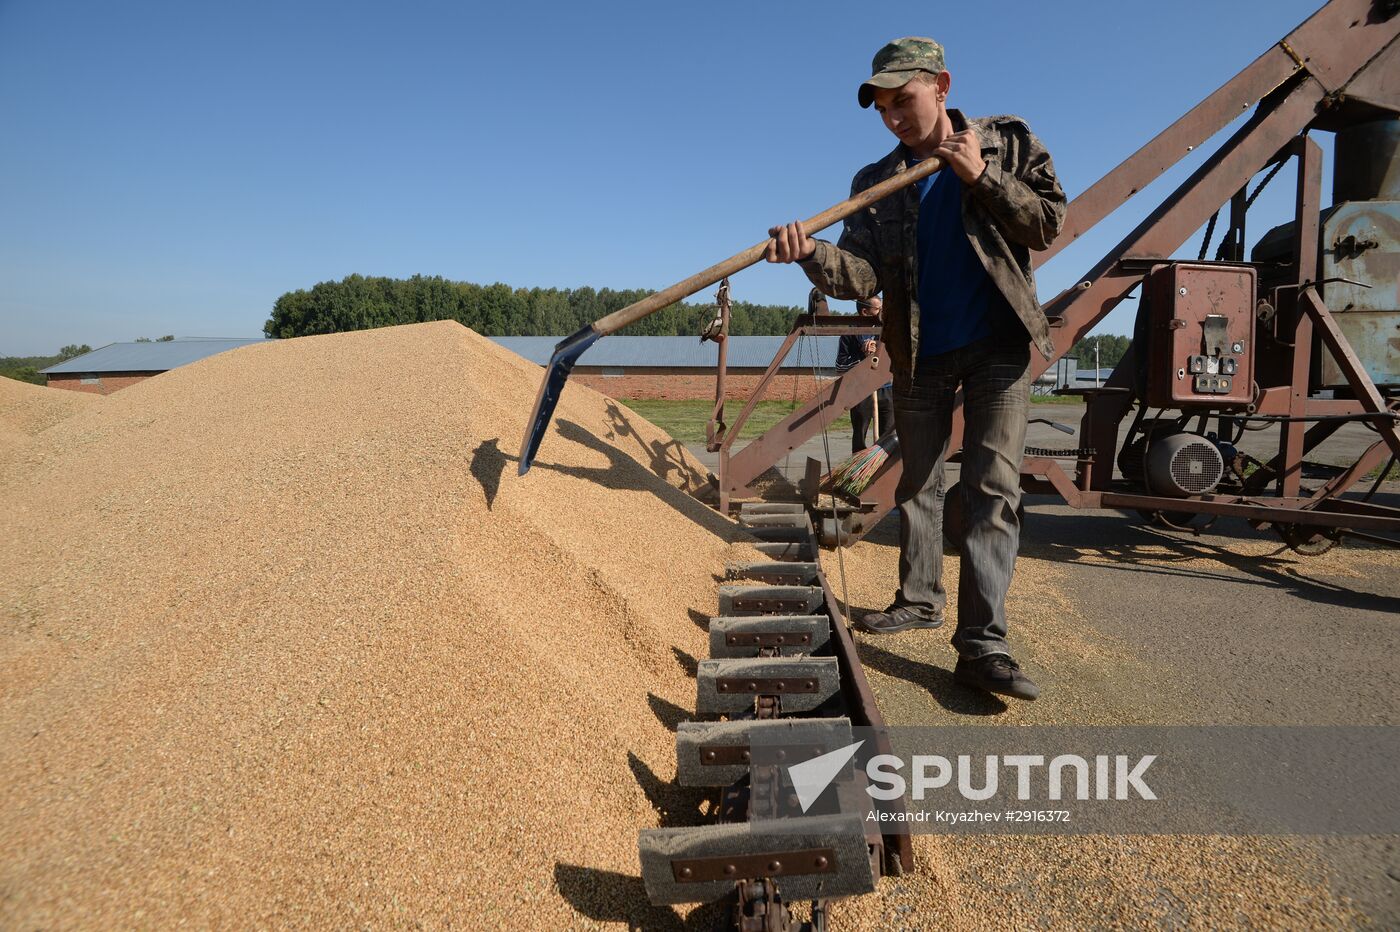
568,350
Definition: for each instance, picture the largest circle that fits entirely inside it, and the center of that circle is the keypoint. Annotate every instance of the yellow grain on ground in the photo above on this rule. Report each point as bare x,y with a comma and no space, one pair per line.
1066,882
286,641
912,673
1098,882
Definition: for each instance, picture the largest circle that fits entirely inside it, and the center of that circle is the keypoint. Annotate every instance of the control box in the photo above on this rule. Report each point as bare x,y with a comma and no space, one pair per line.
1201,347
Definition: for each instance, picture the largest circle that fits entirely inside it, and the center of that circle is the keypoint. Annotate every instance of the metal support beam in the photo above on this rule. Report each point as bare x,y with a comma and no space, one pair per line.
1305,233
1357,377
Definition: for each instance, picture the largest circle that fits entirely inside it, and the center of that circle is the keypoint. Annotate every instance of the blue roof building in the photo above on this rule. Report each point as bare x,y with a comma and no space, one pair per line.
117,365
631,352
623,366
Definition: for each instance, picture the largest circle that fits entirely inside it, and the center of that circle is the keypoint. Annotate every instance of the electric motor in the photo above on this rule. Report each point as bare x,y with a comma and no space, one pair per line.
1183,465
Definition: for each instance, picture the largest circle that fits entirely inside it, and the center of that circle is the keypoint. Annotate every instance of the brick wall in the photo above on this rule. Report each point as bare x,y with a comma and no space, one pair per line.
105,382
676,384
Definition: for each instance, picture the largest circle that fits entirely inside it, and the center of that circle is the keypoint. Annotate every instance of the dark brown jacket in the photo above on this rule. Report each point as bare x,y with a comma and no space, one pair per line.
1016,206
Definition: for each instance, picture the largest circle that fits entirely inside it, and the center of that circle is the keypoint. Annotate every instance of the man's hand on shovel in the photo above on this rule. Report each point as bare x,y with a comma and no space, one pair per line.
785,244
789,243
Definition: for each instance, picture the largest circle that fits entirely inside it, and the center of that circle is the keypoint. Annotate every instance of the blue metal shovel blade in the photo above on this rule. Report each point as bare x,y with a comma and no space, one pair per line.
566,353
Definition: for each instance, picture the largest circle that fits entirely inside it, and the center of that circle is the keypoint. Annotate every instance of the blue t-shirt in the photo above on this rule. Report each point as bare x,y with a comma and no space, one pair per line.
958,301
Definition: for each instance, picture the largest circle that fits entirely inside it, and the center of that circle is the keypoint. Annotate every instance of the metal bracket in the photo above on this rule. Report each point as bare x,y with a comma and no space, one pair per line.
764,685
729,755
769,639
790,606
1215,334
752,866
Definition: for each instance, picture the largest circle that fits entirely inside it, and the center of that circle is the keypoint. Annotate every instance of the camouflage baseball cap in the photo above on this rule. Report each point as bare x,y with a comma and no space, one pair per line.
898,62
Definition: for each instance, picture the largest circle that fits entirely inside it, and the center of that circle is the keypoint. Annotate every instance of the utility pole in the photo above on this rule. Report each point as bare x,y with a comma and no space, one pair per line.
1096,362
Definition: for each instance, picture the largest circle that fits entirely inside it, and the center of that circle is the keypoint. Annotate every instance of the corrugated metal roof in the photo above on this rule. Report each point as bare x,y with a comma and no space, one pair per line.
643,352
615,351
147,357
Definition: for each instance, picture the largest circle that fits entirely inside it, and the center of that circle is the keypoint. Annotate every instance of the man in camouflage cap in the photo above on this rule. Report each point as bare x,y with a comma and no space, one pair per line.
951,255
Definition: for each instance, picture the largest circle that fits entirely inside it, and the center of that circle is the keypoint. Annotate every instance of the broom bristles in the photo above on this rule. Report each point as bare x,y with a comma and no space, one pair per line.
853,476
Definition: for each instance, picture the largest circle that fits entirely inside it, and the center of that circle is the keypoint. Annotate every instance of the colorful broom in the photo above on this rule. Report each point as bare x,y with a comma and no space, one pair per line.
853,476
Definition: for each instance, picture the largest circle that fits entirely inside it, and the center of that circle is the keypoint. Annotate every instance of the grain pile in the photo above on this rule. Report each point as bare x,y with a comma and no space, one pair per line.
286,641
26,410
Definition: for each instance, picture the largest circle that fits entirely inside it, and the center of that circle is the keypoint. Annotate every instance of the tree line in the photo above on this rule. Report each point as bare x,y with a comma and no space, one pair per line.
1111,349
26,368
360,302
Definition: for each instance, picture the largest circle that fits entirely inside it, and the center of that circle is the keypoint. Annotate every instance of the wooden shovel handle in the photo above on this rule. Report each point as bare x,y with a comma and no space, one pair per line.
735,263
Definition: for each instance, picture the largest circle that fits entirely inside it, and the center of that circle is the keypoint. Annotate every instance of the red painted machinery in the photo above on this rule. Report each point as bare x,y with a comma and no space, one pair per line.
1302,336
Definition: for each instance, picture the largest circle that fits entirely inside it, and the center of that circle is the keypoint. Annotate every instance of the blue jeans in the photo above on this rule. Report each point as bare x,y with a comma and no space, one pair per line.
995,379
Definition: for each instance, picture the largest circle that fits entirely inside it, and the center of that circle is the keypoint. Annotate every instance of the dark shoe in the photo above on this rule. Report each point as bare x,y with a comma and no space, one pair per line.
996,673
897,618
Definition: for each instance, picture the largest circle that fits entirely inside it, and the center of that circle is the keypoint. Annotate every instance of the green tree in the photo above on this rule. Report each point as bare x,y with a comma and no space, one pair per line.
357,302
24,374
554,314
72,350
1111,349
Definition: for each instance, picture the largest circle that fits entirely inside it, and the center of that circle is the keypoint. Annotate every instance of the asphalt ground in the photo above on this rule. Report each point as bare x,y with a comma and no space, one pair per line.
1247,633
1126,623
1122,622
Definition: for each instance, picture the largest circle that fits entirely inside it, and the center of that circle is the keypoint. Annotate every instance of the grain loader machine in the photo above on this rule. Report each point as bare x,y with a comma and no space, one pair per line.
1302,336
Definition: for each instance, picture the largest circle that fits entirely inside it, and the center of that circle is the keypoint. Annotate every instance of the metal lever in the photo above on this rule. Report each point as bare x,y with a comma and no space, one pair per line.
1062,428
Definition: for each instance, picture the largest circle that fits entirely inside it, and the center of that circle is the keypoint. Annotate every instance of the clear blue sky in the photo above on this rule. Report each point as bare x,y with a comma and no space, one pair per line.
173,167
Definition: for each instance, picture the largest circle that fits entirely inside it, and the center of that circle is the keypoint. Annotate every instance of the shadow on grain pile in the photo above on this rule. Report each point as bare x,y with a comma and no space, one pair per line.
287,641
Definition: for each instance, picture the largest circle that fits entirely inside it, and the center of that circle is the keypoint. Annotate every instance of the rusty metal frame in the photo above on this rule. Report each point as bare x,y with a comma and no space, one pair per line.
1300,79
1319,509
1297,83
737,471
1345,56
715,428
1326,47
897,848
1106,410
